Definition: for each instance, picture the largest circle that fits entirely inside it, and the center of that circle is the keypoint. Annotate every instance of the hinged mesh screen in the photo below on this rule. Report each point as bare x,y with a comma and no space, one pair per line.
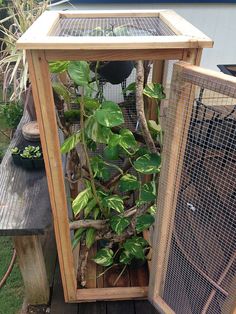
201,267
112,26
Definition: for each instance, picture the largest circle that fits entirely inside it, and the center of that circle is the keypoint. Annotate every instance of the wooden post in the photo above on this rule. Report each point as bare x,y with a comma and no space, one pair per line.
33,270
46,117
157,77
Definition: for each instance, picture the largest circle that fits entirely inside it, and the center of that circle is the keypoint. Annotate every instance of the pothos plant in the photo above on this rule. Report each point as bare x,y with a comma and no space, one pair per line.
115,204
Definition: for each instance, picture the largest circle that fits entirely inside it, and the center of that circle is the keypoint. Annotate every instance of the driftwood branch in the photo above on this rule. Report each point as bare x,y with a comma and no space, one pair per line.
101,224
88,223
140,107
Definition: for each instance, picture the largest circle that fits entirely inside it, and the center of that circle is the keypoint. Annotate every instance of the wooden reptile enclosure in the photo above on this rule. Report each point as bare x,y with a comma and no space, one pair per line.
196,221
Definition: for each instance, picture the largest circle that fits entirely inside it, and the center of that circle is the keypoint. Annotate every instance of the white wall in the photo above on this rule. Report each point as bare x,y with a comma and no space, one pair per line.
218,21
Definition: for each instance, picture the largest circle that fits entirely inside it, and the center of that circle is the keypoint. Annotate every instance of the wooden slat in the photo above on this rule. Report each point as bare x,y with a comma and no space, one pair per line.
109,13
100,280
142,307
32,267
113,55
20,191
211,80
161,306
44,104
123,293
92,308
41,27
111,43
112,274
91,273
139,277
120,307
182,27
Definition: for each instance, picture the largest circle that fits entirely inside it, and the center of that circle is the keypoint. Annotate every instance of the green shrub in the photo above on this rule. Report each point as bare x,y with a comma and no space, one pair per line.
12,114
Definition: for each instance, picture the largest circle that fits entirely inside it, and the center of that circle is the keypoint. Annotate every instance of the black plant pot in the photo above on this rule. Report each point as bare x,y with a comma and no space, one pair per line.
27,164
38,164
16,159
116,72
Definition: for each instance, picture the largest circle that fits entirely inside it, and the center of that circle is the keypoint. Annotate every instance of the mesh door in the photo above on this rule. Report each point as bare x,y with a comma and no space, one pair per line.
199,275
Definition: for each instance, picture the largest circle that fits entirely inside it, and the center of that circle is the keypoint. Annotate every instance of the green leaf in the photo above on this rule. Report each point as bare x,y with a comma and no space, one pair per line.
121,31
127,141
148,192
125,257
91,204
58,66
90,237
111,152
153,126
119,224
79,72
81,201
152,210
96,212
62,91
114,140
148,164
144,222
70,143
97,31
130,88
114,202
90,103
104,257
72,115
154,90
134,247
97,132
128,183
99,168
109,114
77,236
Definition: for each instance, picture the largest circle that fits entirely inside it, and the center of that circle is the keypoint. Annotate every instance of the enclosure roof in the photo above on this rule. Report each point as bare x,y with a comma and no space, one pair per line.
107,30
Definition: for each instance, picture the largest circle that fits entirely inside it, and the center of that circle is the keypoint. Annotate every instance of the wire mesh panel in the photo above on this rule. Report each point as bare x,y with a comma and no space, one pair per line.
199,275
112,26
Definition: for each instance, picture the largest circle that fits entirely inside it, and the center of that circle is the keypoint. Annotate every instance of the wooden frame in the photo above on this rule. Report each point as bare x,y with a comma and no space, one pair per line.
39,35
42,48
182,88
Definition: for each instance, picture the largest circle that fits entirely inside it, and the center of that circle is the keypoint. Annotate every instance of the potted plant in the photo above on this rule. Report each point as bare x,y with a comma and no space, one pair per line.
15,153
115,204
38,158
27,157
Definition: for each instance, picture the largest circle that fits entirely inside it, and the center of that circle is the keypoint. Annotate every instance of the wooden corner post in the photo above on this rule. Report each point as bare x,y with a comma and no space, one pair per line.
46,117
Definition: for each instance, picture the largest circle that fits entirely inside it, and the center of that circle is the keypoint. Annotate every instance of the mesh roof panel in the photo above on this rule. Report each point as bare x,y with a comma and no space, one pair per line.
112,26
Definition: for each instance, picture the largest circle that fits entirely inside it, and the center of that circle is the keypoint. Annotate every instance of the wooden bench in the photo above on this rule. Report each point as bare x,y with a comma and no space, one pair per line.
25,214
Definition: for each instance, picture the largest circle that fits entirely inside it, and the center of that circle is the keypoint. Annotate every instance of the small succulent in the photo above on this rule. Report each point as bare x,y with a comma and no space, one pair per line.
15,151
31,152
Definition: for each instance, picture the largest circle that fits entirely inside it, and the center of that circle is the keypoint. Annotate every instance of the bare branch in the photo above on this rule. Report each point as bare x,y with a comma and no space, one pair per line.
140,107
